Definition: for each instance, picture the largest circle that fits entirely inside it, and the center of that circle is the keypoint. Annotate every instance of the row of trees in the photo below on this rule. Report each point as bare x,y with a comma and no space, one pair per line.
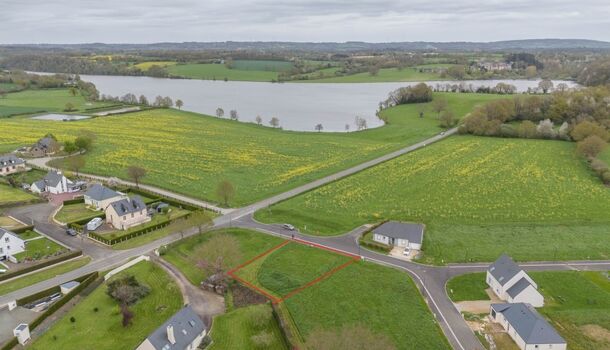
132,99
233,115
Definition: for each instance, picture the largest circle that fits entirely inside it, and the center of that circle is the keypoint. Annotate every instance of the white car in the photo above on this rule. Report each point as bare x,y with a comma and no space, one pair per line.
94,224
288,227
406,252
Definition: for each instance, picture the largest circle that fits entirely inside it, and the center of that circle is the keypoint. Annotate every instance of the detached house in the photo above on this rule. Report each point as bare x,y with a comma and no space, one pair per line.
509,282
54,182
126,213
45,146
527,328
184,331
400,234
100,197
9,164
10,244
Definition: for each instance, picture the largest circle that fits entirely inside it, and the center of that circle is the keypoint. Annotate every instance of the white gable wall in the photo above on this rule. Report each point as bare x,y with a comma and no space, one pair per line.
500,290
11,245
529,295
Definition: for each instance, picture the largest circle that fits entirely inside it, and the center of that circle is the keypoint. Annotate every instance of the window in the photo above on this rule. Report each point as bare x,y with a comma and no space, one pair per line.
6,239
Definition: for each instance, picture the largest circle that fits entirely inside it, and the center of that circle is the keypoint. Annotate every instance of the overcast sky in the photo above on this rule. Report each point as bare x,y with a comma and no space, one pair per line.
145,21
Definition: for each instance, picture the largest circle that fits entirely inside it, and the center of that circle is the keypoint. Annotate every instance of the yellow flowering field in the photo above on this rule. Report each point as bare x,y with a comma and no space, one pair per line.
477,196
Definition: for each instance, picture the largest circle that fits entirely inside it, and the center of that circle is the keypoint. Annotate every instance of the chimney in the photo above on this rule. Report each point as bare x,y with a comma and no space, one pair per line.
170,334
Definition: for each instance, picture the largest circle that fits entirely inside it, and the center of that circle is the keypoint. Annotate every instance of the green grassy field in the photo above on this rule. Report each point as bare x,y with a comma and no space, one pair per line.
577,303
472,193
38,248
103,328
75,212
25,281
10,195
262,65
52,100
251,244
290,267
202,151
384,75
211,71
235,329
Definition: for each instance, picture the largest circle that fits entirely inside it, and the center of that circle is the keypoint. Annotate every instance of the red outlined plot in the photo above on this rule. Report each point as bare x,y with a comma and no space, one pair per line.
274,299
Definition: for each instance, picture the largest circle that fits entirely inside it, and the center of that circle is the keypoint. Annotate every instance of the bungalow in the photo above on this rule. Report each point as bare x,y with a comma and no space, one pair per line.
527,328
509,282
10,244
400,234
9,164
100,197
54,182
126,213
45,146
183,331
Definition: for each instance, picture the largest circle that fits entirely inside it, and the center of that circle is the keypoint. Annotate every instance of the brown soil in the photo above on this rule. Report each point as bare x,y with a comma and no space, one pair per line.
596,332
244,296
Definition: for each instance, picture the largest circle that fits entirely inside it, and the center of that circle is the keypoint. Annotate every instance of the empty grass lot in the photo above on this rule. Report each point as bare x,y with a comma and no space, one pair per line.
51,100
75,212
103,328
258,160
10,195
577,303
384,75
532,196
235,329
216,71
28,280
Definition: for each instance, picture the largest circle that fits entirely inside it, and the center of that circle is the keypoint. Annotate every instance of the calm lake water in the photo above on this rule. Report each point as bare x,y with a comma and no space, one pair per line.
299,106
60,117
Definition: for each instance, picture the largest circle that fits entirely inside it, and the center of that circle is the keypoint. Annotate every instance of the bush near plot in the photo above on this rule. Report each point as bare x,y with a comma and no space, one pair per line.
479,197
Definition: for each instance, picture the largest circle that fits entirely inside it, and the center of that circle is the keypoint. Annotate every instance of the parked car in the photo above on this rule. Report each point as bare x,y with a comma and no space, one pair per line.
71,232
406,252
94,224
288,227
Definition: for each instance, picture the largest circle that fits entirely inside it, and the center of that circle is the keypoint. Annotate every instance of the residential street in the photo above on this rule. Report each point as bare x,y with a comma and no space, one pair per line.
430,280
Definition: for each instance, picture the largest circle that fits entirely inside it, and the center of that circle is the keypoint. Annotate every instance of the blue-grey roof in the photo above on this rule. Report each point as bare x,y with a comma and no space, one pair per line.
528,323
394,229
10,159
70,284
21,327
52,178
128,205
187,326
41,184
503,269
518,287
99,193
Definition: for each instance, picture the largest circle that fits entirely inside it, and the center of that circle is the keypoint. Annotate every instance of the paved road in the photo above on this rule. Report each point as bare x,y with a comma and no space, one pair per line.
42,163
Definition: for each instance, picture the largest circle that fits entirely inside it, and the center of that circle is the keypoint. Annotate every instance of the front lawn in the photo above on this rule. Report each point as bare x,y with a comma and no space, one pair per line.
236,329
76,212
466,287
471,192
38,249
10,195
102,329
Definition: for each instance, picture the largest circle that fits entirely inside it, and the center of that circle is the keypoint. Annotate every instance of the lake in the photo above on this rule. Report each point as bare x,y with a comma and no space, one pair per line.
299,106
60,117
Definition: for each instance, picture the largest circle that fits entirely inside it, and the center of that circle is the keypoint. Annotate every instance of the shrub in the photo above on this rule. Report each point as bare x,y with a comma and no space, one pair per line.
127,290
591,146
72,319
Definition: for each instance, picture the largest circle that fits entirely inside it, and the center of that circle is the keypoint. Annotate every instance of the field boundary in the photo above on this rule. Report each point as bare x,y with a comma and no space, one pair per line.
274,299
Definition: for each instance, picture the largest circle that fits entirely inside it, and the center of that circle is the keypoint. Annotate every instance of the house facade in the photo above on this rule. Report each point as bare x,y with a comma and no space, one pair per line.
100,197
10,244
54,182
405,235
528,329
44,147
126,213
10,164
510,283
183,331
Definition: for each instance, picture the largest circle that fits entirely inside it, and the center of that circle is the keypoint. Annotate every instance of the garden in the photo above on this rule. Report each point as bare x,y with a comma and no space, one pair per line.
12,196
38,247
479,197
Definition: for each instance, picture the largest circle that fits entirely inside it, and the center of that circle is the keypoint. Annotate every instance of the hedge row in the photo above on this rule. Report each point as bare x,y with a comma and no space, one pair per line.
59,259
133,234
79,224
378,246
74,201
23,229
11,344
110,107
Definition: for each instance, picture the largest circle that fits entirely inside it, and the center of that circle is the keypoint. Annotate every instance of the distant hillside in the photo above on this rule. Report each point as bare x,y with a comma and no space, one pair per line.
510,45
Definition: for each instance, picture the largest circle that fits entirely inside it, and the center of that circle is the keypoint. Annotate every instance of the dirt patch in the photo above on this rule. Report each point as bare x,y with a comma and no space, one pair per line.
244,296
474,307
596,332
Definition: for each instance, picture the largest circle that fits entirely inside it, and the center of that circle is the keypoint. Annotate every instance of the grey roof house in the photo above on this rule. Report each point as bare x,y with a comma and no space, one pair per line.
394,233
183,331
527,327
510,282
127,212
10,164
100,196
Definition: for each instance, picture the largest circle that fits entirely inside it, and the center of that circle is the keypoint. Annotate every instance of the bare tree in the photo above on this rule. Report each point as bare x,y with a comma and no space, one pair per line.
439,105
136,173
179,103
274,122
200,219
233,114
220,112
143,100
360,123
258,120
546,85
319,127
225,191
220,253
347,127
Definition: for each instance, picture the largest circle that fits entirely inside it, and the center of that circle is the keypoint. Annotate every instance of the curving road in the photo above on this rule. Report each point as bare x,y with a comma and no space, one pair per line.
430,280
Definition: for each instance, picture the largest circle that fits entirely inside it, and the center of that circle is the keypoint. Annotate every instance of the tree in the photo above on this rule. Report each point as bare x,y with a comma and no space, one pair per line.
179,103
143,100
545,85
564,131
69,107
447,119
233,115
258,120
531,72
546,129
591,146
83,142
75,163
457,72
526,130
220,112
127,315
319,127
274,122
200,219
439,105
73,91
348,338
347,127
360,123
136,173
586,128
220,253
374,70
127,290
225,191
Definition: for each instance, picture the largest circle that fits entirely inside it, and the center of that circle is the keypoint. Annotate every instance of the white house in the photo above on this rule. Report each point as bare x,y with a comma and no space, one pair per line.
400,234
509,282
54,182
10,244
126,213
184,331
527,328
9,164
100,197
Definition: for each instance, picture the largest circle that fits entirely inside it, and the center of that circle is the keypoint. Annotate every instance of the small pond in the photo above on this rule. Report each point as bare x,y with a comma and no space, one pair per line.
60,117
